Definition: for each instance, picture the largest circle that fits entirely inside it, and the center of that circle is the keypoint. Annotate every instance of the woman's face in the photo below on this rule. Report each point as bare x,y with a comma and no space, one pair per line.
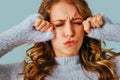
68,29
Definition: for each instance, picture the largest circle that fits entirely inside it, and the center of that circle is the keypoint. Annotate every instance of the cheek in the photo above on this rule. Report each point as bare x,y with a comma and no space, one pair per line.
53,42
58,34
80,32
80,35
56,44
57,39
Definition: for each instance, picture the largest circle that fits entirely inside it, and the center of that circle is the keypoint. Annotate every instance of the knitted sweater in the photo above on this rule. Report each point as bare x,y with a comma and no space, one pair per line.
68,68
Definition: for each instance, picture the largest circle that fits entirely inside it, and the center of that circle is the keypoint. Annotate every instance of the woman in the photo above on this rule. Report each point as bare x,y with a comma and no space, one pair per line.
68,54
70,40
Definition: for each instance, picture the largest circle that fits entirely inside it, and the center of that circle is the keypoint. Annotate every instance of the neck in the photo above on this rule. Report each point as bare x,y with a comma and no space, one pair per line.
72,60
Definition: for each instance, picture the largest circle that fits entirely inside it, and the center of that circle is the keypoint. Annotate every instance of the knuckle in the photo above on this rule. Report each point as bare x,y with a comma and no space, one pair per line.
89,18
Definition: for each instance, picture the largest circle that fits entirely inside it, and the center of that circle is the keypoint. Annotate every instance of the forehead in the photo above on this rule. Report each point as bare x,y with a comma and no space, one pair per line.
63,10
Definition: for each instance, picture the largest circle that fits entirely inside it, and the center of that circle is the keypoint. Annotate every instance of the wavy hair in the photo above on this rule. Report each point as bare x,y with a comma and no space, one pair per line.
41,56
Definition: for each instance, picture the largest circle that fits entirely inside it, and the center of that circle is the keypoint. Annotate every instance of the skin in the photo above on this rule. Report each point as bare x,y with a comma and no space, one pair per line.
69,28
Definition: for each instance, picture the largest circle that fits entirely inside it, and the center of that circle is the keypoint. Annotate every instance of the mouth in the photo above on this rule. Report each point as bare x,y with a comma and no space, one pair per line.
70,43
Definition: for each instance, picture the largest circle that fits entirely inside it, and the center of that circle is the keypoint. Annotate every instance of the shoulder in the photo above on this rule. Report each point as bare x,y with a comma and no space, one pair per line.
11,70
12,65
116,63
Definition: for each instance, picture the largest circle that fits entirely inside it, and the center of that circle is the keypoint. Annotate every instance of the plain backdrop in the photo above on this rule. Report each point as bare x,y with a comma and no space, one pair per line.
12,12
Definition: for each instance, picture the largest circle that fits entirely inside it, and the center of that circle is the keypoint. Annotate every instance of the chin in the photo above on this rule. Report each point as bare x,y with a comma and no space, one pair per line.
69,53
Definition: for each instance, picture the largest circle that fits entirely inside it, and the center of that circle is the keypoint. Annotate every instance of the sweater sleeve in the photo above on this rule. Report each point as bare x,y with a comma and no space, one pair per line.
22,33
109,31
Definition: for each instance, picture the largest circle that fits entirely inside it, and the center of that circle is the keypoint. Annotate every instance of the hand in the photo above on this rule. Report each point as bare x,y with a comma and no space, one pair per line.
26,33
93,22
43,25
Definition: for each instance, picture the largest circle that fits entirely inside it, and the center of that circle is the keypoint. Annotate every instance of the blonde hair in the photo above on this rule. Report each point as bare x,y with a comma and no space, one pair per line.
91,55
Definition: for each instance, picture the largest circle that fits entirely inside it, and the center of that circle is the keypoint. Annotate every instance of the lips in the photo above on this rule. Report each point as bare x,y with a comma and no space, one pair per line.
70,43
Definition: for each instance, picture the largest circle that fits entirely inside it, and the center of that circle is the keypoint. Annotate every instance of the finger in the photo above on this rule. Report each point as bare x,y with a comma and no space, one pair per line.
95,22
87,26
37,22
100,19
42,25
90,20
44,28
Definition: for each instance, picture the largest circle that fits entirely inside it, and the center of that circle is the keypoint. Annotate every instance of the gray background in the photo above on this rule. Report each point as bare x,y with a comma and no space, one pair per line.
12,12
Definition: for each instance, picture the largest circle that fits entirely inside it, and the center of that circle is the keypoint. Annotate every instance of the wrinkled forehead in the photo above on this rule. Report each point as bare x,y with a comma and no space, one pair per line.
63,10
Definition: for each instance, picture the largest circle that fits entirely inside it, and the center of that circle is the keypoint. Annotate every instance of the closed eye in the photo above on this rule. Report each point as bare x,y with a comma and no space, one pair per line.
78,23
58,25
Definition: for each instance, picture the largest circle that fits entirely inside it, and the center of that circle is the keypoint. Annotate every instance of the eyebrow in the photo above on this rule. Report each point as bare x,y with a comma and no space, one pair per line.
64,20
60,20
77,18
74,18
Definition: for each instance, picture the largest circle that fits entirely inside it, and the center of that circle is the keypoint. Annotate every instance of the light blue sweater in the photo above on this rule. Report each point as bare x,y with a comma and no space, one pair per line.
69,68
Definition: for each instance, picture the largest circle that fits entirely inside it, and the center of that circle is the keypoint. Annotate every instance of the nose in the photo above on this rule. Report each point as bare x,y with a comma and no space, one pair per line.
68,30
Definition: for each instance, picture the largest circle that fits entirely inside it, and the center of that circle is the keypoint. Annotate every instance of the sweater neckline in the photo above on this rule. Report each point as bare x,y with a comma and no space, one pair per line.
72,60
